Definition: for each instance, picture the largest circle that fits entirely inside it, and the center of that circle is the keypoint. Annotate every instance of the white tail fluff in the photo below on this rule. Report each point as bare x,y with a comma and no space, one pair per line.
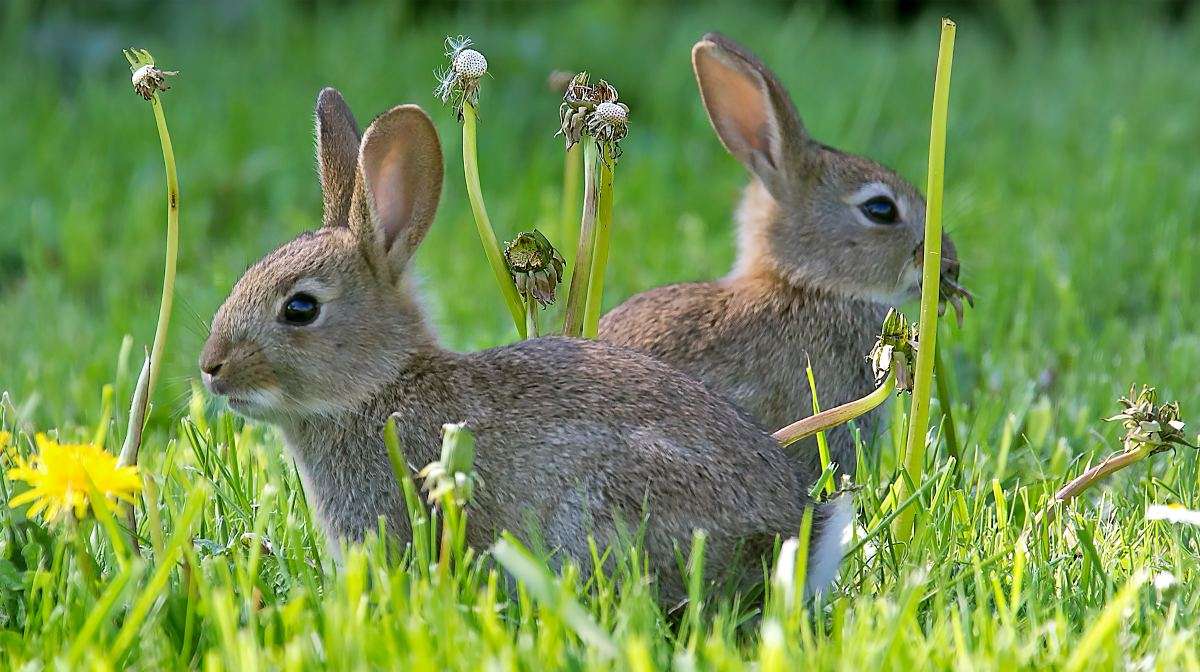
829,545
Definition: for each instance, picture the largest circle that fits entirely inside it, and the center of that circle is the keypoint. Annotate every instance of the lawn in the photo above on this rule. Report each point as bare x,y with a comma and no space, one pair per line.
1072,187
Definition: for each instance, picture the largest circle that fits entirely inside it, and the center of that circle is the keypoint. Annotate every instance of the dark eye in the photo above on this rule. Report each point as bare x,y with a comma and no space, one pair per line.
881,210
301,309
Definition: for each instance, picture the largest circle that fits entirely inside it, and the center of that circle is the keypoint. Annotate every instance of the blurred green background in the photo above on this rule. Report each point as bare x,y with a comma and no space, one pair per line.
1073,176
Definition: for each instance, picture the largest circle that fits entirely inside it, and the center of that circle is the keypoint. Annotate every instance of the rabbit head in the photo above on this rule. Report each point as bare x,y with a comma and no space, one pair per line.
814,216
324,321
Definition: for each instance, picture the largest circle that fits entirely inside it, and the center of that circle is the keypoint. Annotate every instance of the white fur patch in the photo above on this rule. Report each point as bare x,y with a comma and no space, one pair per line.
825,556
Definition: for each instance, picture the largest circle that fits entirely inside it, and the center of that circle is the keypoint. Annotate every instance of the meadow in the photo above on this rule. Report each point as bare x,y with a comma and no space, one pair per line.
1072,186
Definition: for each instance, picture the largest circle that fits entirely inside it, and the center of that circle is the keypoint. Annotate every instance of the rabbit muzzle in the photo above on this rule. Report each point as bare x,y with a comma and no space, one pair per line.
949,290
241,375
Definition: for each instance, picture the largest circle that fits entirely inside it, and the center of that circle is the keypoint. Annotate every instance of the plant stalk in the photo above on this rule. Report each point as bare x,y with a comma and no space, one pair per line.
838,415
581,274
483,224
595,292
941,378
918,417
1112,464
168,291
570,196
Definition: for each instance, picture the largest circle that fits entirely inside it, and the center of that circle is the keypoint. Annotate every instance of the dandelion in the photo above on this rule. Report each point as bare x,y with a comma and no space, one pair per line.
458,86
453,474
148,82
592,114
536,268
1150,428
61,475
891,359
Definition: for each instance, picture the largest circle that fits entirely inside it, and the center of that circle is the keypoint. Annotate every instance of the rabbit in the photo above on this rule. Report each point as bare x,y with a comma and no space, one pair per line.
827,241
324,339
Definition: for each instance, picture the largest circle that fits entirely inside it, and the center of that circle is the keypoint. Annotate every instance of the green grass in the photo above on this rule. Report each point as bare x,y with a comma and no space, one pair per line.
1071,192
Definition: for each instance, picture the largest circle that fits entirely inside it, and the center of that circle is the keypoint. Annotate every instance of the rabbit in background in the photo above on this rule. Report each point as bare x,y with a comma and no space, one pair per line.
827,242
324,339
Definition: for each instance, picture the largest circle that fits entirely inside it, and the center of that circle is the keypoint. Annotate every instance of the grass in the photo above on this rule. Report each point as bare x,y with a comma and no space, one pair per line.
1071,192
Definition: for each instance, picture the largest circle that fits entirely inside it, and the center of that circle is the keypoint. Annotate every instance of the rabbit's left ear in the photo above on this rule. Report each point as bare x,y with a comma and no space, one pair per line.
337,155
400,182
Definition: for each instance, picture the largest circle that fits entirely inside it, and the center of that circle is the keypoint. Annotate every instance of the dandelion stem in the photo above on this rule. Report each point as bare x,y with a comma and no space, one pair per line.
1112,464
595,291
531,316
581,274
837,415
918,417
570,196
940,376
168,291
483,224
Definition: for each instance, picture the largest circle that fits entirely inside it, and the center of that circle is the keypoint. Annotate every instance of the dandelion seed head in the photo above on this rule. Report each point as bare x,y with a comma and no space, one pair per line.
470,63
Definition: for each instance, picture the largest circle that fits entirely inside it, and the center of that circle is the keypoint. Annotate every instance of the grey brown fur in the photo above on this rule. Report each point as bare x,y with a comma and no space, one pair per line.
575,438
814,277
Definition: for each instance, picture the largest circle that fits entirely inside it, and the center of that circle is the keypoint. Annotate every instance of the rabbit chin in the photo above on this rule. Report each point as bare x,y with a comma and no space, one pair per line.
265,404
908,287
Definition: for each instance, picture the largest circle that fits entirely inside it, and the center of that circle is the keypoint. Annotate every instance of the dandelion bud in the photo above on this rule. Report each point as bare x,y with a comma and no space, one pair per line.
454,472
470,63
895,350
535,265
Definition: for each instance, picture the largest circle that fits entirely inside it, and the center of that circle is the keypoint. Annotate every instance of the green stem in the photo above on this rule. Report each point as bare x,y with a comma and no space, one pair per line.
918,417
484,225
822,443
570,196
531,317
581,274
595,293
168,291
1087,479
941,377
835,416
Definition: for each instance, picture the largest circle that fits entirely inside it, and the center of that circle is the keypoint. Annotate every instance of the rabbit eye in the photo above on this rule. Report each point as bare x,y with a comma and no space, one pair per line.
881,210
301,309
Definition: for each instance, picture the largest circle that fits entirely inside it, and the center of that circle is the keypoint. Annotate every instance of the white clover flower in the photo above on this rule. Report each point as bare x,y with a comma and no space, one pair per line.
1173,513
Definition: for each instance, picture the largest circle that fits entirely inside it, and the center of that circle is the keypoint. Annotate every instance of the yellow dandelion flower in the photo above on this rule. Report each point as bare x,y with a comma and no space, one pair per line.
5,438
59,476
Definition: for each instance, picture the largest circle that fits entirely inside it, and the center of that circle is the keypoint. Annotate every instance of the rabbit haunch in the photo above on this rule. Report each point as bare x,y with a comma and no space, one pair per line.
575,438
826,243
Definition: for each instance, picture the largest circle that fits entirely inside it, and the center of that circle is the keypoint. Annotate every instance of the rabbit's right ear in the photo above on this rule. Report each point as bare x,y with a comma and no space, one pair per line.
752,113
337,155
400,182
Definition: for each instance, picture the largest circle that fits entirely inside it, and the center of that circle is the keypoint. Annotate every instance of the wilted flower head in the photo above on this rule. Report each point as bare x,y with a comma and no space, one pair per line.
147,79
536,267
1147,423
61,475
454,471
459,83
895,350
592,109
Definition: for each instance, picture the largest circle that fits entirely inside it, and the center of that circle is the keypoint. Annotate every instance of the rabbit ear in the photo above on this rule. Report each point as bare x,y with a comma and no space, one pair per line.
400,182
337,155
751,112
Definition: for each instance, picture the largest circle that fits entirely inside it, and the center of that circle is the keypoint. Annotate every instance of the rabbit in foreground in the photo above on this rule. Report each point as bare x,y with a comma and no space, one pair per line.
827,241
324,339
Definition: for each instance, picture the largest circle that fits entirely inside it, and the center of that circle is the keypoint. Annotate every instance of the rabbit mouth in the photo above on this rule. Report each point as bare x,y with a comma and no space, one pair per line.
255,404
949,289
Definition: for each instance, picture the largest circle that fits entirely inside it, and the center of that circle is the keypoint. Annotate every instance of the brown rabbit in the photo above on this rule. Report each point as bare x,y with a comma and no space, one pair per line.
323,338
827,241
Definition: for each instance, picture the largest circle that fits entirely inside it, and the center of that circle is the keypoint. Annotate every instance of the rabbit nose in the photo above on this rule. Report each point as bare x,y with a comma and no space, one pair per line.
212,360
